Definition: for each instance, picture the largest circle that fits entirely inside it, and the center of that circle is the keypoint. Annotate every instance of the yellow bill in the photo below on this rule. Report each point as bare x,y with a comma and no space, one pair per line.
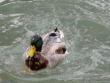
31,51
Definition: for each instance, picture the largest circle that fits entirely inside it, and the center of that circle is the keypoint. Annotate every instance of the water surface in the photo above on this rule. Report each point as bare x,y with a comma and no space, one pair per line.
86,24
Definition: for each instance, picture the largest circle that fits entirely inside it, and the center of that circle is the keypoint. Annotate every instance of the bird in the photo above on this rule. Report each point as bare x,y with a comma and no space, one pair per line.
46,51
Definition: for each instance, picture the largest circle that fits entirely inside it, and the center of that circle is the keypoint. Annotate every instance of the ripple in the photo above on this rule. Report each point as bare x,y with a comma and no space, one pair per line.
86,27
2,1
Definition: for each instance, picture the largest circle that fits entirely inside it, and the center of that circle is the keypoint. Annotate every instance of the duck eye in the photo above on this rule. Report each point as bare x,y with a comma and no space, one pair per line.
52,34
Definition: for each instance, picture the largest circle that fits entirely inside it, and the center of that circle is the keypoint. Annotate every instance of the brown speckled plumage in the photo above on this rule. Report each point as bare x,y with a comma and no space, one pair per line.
37,62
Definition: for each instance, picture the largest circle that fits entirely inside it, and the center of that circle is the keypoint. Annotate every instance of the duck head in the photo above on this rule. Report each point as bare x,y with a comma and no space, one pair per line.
35,45
37,42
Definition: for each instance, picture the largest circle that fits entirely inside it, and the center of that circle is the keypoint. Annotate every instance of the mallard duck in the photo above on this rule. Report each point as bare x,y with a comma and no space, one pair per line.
34,60
46,51
54,48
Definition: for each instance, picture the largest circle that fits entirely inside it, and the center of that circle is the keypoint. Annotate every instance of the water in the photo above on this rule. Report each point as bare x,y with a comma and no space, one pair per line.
87,35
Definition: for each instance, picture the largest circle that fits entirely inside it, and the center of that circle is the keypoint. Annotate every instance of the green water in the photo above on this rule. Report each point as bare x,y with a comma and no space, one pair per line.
86,25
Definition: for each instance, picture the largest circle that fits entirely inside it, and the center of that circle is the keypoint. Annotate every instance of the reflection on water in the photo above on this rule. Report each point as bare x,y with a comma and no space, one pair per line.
86,27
